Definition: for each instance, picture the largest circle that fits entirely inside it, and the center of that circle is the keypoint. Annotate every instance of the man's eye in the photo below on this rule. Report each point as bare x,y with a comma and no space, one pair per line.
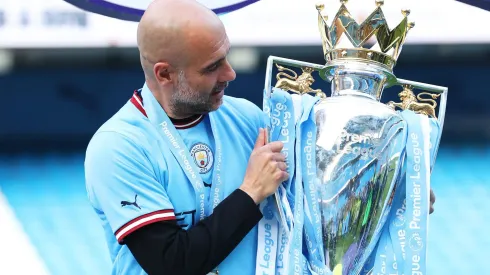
213,68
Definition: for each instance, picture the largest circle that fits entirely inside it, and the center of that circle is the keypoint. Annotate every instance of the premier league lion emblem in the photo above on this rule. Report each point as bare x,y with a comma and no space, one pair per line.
132,10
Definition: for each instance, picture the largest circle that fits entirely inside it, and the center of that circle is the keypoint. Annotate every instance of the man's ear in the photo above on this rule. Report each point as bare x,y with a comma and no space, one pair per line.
162,72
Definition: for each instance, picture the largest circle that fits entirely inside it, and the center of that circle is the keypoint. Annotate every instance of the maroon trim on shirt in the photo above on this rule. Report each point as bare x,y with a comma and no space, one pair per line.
184,123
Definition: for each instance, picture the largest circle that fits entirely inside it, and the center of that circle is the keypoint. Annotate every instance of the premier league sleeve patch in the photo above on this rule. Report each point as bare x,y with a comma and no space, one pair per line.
132,10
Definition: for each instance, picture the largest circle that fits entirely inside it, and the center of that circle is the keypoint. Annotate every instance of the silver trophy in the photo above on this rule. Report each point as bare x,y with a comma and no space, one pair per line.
359,145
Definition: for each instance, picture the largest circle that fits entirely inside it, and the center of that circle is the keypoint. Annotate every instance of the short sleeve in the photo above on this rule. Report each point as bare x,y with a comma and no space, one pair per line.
121,183
261,119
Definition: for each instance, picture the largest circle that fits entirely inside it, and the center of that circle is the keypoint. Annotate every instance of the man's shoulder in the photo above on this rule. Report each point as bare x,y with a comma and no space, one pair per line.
243,110
241,104
126,128
127,121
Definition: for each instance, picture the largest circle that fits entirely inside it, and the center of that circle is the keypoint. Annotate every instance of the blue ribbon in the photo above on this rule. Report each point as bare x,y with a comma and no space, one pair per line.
402,247
312,219
281,127
417,186
305,140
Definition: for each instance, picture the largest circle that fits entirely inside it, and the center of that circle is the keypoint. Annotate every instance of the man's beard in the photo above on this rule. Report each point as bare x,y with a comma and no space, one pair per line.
187,101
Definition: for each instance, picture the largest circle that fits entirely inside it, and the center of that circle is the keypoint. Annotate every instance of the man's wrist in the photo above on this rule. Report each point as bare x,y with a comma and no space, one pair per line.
252,194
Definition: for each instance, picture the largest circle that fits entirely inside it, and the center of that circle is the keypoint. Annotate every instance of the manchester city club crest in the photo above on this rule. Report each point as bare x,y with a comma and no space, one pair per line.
203,157
132,10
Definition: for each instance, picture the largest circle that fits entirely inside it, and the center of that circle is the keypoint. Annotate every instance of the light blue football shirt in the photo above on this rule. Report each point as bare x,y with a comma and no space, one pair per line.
133,179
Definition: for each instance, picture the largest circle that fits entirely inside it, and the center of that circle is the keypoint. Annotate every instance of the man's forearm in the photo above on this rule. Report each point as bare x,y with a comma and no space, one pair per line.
165,248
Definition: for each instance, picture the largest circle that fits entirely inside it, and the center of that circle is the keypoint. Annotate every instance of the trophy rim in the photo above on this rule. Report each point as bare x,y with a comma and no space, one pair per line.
330,69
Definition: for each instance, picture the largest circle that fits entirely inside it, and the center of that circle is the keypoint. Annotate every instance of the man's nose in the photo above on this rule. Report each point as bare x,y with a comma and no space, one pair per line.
228,74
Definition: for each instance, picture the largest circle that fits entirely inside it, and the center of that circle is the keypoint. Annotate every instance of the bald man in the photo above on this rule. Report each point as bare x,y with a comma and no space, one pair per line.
177,174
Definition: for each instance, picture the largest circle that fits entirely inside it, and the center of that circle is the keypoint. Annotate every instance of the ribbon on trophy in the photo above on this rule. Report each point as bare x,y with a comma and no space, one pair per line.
291,120
312,220
274,237
402,247
304,226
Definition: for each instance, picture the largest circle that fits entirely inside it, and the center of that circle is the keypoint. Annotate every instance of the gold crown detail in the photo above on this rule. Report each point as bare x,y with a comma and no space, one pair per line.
385,51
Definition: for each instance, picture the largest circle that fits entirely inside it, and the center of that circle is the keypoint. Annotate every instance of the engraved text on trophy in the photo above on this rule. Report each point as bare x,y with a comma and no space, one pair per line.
362,145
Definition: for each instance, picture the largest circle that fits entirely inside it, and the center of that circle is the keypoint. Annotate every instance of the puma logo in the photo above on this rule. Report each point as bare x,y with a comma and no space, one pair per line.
125,203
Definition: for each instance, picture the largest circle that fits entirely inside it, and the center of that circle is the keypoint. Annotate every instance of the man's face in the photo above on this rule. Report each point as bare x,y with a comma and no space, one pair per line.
200,86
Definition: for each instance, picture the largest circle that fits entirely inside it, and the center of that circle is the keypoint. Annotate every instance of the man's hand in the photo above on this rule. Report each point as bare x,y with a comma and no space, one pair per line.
432,201
266,169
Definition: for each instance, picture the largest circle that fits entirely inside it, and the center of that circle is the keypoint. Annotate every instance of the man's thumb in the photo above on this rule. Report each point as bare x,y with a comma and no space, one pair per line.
260,139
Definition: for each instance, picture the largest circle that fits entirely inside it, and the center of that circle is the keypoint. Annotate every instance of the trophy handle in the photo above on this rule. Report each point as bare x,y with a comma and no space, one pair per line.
440,92
284,61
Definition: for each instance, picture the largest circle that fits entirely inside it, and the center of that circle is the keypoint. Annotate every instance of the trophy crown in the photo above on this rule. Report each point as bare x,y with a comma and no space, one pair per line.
346,40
